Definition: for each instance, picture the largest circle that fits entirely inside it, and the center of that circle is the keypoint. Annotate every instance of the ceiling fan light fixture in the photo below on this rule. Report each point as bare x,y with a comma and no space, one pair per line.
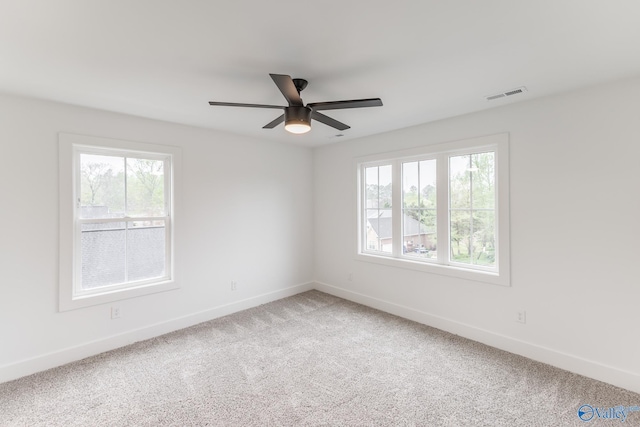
298,128
297,119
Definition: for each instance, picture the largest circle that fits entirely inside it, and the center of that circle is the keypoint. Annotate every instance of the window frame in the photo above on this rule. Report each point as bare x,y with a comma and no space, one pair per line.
71,147
499,144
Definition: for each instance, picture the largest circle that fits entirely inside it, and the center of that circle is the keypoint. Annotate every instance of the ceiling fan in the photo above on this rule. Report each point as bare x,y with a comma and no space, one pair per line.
297,116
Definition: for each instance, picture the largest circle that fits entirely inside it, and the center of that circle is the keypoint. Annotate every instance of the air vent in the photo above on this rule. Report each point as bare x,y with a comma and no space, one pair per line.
511,92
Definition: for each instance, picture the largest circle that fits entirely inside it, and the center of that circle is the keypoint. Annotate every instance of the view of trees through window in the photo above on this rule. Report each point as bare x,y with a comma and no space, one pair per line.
122,214
472,201
103,181
469,219
419,208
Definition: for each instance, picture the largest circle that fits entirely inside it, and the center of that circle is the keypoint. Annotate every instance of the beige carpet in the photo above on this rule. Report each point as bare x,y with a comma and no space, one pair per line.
308,360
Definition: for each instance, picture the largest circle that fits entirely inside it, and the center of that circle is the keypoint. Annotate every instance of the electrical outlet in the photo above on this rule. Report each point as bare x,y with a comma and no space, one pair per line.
234,285
115,312
521,316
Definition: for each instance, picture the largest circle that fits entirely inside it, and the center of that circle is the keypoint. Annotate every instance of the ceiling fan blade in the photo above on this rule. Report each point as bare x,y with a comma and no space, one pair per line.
288,89
329,121
274,123
235,104
338,105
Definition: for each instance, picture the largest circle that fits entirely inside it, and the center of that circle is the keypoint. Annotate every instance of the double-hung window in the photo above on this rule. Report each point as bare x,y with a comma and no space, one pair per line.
441,208
116,219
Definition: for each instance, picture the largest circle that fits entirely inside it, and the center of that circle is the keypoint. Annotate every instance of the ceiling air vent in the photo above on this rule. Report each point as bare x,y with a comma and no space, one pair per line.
511,92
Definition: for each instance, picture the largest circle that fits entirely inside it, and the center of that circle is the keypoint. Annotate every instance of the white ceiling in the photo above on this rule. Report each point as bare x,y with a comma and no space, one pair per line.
426,59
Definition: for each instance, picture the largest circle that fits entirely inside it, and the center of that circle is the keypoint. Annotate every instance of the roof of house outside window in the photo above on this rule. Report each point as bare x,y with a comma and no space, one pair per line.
382,225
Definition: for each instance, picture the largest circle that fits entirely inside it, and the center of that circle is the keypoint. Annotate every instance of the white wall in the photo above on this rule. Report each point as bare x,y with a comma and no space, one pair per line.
575,228
244,213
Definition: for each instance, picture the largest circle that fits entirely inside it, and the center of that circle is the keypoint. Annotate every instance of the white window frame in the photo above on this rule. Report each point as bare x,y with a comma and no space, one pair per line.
71,146
499,144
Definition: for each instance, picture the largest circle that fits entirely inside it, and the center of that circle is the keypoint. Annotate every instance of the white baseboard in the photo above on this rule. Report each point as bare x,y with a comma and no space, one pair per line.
588,368
61,357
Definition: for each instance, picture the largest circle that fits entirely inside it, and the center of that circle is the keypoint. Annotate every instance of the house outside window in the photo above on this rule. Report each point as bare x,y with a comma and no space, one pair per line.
441,208
116,219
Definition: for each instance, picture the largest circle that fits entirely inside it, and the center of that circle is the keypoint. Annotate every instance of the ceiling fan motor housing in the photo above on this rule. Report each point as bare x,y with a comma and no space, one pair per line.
297,116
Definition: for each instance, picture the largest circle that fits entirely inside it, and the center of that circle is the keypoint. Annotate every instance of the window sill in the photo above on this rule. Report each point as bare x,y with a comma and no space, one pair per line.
111,295
439,269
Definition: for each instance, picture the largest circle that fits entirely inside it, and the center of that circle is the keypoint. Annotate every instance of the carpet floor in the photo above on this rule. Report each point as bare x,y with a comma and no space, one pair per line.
309,360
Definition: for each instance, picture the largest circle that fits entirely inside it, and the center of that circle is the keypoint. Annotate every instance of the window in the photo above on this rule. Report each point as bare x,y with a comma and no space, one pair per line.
116,219
442,209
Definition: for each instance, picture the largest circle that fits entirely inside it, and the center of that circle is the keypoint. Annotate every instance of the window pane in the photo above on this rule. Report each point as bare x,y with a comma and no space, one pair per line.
145,250
384,180
378,186
484,238
472,201
379,229
145,187
419,224
371,186
101,186
460,236
411,231
371,236
428,184
378,213
419,229
102,254
459,182
483,181
429,232
410,185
